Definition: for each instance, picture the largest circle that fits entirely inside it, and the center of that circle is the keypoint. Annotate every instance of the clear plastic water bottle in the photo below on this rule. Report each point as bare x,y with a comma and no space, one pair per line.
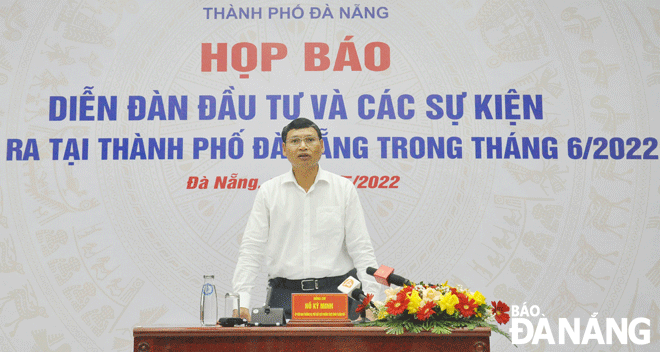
208,304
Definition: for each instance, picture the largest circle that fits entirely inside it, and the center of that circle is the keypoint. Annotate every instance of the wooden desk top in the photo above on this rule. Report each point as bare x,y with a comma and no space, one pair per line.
191,331
286,338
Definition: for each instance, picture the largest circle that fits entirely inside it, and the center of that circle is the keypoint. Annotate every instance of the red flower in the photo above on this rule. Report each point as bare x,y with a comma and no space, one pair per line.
426,311
396,307
403,293
466,305
500,310
365,303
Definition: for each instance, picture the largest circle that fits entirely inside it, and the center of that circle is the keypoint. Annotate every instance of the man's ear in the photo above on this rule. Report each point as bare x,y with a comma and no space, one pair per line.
284,149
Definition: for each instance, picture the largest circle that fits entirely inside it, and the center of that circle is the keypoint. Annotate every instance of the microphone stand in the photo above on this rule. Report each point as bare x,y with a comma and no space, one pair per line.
363,316
363,313
267,316
269,291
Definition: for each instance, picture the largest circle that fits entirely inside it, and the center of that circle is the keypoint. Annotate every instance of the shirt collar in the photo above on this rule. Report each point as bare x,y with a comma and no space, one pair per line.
322,175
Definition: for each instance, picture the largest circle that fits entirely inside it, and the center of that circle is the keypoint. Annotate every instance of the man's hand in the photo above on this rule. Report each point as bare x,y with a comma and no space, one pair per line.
245,314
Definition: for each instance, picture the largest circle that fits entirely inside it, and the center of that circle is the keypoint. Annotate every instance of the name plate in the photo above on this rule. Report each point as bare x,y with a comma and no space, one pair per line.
319,306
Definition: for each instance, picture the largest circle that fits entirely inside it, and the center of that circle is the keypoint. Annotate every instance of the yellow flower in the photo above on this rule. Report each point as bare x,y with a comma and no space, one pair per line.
415,300
478,298
447,303
382,314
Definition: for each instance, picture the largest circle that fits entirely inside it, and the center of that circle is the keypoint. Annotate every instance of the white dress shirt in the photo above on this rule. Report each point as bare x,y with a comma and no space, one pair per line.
314,234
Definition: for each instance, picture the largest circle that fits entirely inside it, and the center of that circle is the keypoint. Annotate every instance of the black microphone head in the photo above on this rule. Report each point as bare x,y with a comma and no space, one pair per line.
358,295
398,280
371,271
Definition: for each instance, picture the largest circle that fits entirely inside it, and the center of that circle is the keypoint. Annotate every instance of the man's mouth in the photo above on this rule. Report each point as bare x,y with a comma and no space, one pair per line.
304,156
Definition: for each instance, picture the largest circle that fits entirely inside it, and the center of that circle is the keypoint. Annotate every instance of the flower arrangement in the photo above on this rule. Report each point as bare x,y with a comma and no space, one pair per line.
435,308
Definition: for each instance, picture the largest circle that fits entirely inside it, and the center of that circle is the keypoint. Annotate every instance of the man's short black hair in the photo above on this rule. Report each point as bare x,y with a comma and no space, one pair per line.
299,123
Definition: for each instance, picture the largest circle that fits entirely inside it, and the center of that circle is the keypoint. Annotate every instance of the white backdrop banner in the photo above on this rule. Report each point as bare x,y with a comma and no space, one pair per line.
507,146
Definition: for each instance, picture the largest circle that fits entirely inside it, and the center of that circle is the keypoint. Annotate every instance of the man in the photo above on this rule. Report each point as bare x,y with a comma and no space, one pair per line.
308,224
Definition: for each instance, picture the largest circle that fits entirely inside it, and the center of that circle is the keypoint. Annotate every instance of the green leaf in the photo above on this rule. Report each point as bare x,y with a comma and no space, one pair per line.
400,324
397,330
441,330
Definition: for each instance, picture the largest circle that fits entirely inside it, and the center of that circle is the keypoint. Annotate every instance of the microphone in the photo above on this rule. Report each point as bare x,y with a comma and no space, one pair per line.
385,276
351,287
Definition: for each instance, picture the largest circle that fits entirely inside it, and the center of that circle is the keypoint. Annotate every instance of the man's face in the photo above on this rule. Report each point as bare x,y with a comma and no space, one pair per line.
303,147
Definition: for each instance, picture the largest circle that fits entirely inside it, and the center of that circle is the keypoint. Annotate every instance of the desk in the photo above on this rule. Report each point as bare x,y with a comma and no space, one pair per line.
264,339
